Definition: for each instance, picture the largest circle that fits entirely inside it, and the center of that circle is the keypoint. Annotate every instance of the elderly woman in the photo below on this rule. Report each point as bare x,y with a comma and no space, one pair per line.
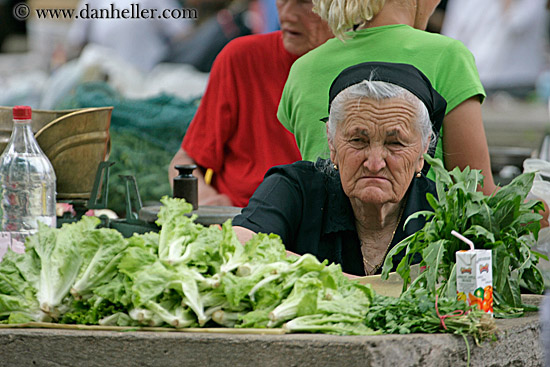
351,209
390,31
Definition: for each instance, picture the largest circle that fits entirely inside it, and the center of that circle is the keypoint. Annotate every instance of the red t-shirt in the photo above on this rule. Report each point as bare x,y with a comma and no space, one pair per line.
235,130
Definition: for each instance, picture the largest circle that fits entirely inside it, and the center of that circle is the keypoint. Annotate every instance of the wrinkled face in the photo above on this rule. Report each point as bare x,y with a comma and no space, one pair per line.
302,29
378,149
424,10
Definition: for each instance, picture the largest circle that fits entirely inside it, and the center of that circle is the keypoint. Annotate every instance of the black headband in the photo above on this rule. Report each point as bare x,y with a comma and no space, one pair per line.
403,75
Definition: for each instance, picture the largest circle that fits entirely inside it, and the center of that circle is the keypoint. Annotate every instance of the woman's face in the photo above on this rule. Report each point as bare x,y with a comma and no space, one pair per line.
302,29
378,149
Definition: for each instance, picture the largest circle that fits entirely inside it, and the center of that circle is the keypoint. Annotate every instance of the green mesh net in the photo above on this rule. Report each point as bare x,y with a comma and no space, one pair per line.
145,135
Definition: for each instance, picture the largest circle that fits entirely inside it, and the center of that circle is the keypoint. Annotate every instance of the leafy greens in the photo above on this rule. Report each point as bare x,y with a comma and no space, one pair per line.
505,223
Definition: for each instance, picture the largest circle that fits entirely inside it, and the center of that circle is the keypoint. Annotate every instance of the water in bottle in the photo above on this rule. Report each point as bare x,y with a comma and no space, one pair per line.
27,185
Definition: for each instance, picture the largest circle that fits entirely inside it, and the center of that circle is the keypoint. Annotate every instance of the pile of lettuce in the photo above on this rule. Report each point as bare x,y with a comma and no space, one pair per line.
187,275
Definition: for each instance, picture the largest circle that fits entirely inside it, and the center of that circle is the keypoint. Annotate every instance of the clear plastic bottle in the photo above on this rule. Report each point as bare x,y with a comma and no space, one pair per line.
27,184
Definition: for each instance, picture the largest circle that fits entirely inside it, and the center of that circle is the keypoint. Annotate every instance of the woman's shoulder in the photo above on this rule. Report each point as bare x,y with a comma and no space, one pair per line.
446,47
310,176
427,42
299,169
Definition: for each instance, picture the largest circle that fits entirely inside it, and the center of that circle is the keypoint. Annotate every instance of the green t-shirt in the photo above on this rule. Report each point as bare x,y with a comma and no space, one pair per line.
447,63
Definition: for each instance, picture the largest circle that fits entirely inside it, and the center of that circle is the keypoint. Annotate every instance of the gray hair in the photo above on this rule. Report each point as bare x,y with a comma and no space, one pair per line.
378,90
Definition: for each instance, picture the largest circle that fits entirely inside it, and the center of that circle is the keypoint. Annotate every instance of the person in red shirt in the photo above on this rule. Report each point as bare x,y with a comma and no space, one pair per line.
235,132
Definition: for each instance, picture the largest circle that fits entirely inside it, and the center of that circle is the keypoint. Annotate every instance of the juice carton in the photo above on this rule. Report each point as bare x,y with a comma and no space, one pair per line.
474,278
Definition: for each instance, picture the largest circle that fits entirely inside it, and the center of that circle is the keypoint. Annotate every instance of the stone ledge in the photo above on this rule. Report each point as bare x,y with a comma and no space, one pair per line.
518,345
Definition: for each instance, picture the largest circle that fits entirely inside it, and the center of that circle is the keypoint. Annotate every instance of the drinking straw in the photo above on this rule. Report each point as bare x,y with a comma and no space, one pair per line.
461,237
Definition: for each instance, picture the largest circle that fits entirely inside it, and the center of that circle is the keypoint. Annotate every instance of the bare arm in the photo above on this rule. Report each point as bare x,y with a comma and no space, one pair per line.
207,194
464,141
244,235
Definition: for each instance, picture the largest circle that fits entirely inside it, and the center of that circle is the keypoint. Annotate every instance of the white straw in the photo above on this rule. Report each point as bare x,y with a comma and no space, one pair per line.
461,237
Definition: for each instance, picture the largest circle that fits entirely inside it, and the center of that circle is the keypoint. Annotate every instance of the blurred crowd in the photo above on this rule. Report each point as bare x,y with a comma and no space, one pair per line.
191,40
509,38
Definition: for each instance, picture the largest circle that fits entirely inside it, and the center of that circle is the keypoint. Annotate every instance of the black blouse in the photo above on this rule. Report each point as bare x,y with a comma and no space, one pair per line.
311,213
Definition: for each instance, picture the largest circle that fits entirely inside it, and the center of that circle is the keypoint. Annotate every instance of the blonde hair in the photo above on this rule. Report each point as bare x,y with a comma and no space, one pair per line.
343,15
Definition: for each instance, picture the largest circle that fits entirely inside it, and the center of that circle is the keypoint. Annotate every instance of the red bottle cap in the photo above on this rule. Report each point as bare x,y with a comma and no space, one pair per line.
22,113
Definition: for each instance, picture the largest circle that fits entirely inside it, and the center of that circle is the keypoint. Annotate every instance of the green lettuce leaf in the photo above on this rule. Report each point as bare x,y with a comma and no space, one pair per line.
101,251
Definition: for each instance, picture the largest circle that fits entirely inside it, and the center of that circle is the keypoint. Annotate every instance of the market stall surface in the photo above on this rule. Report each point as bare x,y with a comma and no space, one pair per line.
517,345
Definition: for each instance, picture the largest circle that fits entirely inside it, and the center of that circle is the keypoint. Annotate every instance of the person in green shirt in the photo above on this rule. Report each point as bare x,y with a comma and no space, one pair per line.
389,31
